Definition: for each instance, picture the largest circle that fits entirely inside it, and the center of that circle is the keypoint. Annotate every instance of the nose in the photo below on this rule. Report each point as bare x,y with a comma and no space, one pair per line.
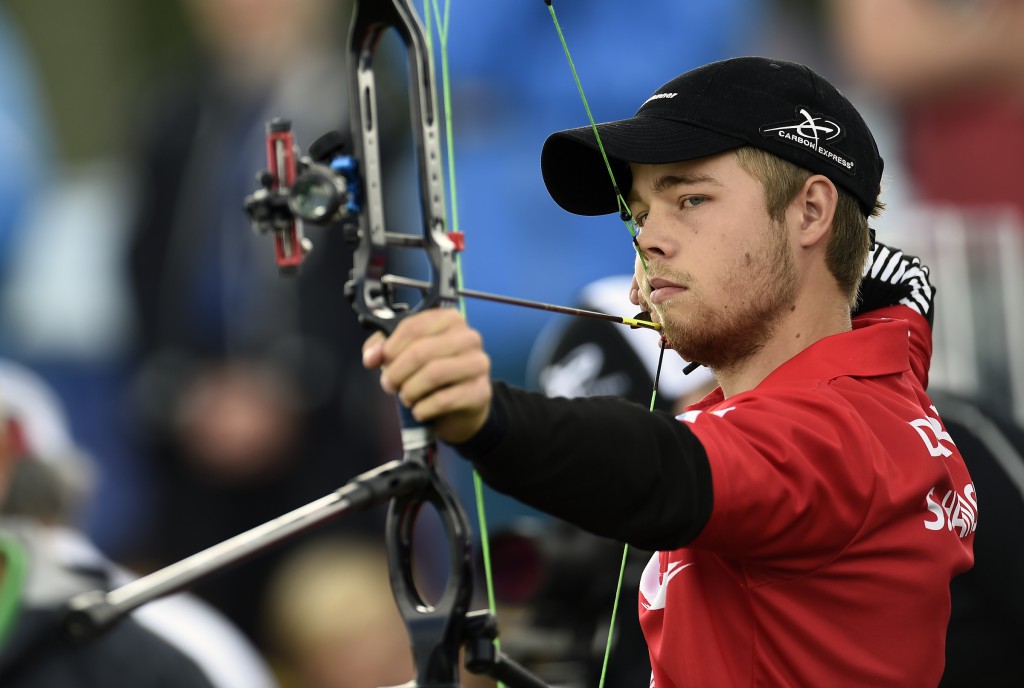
653,240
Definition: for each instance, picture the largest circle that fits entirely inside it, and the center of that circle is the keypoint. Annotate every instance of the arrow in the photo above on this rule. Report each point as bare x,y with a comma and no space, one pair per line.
399,281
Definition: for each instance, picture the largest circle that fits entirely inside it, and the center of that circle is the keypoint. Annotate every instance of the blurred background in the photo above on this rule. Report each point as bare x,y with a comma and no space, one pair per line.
213,396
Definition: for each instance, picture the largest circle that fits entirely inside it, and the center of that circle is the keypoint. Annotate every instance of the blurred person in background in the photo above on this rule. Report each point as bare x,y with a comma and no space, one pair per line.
986,622
332,620
581,357
45,483
954,72
248,397
949,76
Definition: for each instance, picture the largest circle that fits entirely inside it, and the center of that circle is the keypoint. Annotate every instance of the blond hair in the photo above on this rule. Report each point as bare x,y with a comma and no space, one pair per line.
848,246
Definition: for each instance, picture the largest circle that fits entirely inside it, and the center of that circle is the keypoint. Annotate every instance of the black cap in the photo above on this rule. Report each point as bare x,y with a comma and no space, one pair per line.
782,107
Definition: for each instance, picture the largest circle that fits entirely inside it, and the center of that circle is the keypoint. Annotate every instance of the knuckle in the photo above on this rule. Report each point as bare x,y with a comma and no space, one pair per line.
483,363
474,339
433,375
450,316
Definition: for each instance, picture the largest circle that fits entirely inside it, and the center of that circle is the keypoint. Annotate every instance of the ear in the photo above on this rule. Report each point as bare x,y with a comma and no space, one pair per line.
814,208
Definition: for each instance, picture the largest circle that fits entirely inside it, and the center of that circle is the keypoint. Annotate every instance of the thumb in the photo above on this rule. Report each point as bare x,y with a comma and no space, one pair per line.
373,351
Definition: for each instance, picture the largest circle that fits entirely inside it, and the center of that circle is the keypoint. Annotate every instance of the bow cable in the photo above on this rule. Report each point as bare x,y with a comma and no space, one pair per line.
446,116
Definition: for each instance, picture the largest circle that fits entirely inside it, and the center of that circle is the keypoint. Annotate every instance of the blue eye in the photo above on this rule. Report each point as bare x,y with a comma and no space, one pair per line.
693,201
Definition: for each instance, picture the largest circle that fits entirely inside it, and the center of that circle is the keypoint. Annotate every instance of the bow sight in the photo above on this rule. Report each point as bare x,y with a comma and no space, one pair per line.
321,189
327,187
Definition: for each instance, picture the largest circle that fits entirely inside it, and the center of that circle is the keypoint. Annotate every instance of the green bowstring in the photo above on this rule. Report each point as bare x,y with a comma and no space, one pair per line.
627,217
433,12
14,564
478,485
624,213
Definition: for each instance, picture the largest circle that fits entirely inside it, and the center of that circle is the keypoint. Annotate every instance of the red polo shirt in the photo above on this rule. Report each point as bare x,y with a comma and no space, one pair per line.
841,511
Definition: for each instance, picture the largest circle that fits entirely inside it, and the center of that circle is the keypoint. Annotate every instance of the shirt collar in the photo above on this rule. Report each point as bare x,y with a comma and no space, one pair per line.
872,348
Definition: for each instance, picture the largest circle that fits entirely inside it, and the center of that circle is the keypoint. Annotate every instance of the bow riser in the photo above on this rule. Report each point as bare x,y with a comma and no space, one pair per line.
372,299
436,630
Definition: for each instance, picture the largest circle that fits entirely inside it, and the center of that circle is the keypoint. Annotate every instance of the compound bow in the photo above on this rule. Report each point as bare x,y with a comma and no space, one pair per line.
330,187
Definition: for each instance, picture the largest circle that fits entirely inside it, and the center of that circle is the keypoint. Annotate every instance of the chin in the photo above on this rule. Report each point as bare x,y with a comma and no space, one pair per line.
696,343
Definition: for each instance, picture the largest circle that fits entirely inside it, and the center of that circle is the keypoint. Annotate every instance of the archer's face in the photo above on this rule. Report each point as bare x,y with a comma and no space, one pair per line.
720,272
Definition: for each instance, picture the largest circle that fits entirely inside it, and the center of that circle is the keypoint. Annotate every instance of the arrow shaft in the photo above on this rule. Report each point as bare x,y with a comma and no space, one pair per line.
399,281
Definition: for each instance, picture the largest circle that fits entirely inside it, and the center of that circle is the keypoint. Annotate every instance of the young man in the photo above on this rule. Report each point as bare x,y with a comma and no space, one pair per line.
810,512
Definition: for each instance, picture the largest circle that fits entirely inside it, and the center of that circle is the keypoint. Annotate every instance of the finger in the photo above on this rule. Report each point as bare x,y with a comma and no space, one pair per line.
442,373
421,338
458,412
380,351
636,296
416,327
634,292
433,361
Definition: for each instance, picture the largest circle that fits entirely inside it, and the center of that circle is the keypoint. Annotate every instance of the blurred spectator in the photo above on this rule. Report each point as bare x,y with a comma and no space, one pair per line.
580,357
61,302
953,73
555,588
249,396
46,480
987,617
954,70
332,619
25,137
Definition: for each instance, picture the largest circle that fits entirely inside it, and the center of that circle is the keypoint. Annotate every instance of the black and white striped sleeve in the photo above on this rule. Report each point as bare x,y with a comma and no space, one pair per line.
892,277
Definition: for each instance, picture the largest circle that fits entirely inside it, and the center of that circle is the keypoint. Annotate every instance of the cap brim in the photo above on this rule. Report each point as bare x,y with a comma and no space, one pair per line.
575,173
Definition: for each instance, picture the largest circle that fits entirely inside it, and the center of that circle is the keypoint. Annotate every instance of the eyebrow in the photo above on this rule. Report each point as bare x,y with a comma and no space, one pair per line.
669,180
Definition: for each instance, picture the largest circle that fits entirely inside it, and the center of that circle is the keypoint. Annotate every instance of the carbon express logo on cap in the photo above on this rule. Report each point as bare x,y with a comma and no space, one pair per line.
811,132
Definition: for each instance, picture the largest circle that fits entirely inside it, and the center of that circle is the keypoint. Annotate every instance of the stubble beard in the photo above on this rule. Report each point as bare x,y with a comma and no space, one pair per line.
761,294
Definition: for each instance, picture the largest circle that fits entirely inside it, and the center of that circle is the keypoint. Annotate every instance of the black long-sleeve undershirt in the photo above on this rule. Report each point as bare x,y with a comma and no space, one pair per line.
604,464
